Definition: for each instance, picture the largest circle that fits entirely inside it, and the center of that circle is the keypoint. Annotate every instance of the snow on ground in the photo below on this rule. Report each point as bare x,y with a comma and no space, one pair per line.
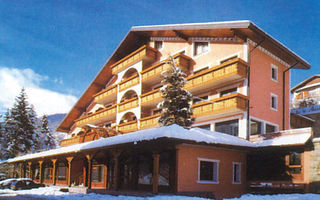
53,193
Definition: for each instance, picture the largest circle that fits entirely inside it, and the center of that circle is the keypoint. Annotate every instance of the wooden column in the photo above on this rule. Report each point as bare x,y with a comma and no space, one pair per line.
30,170
21,170
116,170
155,176
69,159
40,171
54,169
13,170
89,159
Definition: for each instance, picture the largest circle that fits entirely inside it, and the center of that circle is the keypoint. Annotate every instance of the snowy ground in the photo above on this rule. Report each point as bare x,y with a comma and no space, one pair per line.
53,193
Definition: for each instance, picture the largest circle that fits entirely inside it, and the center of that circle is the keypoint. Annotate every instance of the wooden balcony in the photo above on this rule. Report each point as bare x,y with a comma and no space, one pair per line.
151,99
231,71
103,115
222,106
107,95
129,104
128,127
145,53
149,122
152,75
70,141
129,82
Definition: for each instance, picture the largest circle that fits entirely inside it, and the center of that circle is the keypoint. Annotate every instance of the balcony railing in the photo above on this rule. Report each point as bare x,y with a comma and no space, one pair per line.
126,105
151,98
149,122
131,81
220,106
98,117
144,52
153,74
70,141
128,127
106,95
221,74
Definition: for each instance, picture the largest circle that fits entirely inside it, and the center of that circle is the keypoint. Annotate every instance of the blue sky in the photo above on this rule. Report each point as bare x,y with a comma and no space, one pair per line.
65,43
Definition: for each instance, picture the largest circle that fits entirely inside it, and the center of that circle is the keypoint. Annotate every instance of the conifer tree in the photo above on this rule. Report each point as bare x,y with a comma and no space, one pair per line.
20,127
48,140
175,107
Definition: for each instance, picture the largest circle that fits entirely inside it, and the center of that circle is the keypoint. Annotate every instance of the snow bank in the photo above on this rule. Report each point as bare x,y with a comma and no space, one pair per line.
279,197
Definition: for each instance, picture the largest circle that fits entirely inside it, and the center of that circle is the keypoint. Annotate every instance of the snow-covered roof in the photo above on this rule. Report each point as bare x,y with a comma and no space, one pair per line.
196,135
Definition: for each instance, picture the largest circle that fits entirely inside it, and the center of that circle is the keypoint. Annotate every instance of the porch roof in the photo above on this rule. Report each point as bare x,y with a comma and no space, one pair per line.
175,132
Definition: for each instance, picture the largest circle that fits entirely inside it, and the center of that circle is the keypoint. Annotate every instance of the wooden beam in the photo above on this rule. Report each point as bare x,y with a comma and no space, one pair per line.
69,159
21,170
13,171
30,170
238,34
155,175
89,159
116,155
54,164
40,170
181,35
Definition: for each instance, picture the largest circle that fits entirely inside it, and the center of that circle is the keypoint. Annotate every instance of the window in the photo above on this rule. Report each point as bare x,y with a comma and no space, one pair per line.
274,72
36,173
198,100
98,173
236,173
229,127
270,128
293,161
208,171
200,48
47,173
274,102
255,127
228,92
200,70
205,126
158,44
62,173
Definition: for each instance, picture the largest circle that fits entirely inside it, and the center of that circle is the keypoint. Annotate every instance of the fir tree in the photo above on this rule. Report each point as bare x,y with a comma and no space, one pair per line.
20,128
175,105
48,140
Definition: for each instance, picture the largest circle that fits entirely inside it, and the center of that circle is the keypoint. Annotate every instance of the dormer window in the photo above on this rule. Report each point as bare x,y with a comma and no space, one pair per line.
200,48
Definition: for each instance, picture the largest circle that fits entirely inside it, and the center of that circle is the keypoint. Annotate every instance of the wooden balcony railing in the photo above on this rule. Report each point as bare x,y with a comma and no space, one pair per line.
153,73
106,95
223,105
128,127
70,141
221,74
144,52
149,122
126,105
129,82
152,97
98,117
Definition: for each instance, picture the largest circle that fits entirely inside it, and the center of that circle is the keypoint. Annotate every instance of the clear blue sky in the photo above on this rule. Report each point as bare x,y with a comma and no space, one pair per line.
70,41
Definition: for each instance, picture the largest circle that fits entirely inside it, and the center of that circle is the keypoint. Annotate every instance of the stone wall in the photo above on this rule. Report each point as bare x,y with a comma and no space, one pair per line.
315,167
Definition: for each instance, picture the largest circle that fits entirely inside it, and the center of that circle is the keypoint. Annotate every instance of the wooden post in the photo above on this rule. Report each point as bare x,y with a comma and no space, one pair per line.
40,171
155,176
69,159
13,170
30,170
116,170
89,158
54,162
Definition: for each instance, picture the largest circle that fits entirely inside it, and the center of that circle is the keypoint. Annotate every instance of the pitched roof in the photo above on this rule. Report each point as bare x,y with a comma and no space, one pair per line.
303,83
140,35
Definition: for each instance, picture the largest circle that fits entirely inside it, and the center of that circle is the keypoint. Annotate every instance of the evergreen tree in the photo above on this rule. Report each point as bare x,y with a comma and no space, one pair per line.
20,128
175,105
48,140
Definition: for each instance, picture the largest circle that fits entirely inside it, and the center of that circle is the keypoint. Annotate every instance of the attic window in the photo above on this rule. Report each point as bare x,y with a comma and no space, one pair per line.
200,48
158,45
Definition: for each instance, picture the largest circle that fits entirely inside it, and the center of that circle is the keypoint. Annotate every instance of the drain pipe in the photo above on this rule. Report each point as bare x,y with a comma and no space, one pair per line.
283,96
248,75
